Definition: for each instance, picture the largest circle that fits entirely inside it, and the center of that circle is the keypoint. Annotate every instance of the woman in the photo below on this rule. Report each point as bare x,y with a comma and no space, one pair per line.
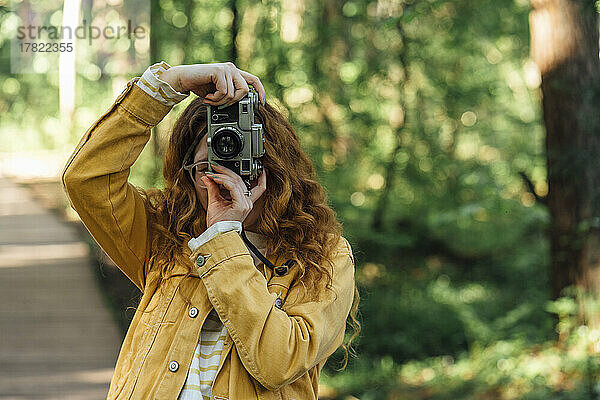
213,321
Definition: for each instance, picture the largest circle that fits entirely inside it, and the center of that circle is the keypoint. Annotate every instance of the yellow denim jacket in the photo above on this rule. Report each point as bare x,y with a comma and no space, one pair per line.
270,352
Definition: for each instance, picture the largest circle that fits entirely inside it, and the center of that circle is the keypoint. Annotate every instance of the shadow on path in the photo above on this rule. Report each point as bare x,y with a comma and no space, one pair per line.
57,339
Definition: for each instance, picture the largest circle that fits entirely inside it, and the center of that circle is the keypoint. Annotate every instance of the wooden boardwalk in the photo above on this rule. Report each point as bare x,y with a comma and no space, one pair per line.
57,338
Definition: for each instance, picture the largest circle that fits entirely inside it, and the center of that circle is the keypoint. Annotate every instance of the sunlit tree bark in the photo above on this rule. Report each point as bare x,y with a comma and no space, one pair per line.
155,56
234,31
66,65
564,43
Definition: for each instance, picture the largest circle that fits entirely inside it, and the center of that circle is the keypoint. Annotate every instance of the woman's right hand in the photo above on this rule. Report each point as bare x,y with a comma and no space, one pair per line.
239,205
219,83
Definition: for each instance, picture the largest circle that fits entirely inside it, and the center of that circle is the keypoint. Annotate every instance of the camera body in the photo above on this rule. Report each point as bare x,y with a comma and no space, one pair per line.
234,140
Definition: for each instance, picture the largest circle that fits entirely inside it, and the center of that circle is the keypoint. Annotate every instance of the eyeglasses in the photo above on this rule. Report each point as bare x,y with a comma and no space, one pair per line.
196,170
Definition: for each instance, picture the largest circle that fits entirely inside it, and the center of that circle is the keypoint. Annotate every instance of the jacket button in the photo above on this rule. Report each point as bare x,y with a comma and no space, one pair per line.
173,366
278,303
193,312
201,260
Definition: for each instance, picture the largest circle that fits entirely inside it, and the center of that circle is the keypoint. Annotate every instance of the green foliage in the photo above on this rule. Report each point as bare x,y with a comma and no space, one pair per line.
506,369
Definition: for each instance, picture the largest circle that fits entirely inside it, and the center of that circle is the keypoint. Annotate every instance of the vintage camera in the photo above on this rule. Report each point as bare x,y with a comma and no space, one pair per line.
234,140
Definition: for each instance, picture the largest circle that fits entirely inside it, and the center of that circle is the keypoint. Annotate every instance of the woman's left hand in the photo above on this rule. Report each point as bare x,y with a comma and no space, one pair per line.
236,208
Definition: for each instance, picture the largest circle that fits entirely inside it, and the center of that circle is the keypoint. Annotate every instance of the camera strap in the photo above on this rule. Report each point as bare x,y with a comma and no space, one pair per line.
280,271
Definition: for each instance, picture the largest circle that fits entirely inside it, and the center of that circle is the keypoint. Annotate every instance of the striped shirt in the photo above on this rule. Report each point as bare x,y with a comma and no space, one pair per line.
150,82
205,363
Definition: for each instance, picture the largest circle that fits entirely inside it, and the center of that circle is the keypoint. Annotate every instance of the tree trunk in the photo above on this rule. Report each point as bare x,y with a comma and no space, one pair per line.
390,169
234,32
155,21
66,66
564,43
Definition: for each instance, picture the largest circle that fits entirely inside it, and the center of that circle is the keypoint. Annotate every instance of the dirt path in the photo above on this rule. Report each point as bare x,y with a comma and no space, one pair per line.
57,339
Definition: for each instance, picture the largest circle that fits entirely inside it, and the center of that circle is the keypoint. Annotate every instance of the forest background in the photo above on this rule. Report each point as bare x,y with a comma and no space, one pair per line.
425,121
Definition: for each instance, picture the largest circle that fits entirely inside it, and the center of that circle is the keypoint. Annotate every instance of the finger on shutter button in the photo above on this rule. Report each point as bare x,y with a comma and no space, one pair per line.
173,366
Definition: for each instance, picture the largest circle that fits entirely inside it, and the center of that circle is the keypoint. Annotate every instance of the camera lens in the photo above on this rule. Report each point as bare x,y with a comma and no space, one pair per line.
226,143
